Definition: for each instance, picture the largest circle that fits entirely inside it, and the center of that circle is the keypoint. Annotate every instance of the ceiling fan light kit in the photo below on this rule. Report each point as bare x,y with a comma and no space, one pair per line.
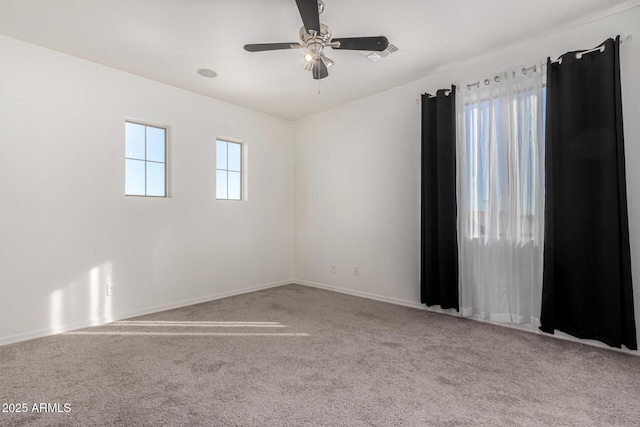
315,37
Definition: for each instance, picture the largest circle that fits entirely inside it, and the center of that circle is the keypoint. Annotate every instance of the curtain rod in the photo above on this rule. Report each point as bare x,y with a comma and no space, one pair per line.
497,78
625,40
579,54
447,92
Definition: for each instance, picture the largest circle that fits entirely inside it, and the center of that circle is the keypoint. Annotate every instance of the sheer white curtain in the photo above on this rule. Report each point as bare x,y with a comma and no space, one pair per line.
500,192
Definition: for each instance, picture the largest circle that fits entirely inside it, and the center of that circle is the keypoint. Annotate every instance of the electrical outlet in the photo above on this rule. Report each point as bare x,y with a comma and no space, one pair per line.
111,291
333,268
356,271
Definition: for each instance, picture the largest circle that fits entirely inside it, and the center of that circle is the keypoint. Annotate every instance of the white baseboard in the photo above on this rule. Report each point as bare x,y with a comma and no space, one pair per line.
406,303
451,312
396,301
12,339
367,295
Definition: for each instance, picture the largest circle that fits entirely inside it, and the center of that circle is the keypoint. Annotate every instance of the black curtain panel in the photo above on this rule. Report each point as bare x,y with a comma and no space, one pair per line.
587,288
439,246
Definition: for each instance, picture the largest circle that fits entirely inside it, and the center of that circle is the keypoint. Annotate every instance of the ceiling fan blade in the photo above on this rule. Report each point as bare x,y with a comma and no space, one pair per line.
310,15
377,44
319,69
261,47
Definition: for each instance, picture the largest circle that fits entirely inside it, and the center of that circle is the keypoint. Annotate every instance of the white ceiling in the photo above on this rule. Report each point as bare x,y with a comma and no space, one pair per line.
168,40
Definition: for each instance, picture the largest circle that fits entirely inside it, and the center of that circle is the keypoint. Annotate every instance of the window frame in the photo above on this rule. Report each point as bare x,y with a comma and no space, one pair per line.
165,130
240,172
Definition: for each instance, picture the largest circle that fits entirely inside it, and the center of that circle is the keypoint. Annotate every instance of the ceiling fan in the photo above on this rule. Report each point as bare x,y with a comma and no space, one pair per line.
314,37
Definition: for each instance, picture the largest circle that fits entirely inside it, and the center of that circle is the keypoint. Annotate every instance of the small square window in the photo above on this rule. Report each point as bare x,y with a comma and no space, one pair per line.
228,170
145,160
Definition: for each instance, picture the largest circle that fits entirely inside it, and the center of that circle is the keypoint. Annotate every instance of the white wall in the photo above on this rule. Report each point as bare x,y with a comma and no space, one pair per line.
66,227
357,170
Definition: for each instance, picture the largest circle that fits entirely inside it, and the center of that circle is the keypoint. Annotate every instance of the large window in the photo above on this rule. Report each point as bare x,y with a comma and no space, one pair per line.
228,170
503,165
501,196
145,160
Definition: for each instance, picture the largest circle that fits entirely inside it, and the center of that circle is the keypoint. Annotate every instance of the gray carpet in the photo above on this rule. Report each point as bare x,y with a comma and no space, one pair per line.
305,356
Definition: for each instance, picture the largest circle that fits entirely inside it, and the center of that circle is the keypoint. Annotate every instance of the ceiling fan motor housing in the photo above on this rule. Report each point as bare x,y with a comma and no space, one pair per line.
315,42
